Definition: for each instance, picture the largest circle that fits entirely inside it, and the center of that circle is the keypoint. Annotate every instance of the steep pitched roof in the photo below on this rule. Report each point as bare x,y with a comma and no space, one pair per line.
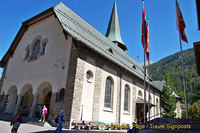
84,32
113,31
159,84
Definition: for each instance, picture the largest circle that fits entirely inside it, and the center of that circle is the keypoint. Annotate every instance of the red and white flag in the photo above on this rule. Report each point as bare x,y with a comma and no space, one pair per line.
180,24
147,45
145,34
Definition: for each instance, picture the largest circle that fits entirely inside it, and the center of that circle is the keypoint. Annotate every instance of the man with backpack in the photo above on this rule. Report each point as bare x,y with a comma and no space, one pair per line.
60,121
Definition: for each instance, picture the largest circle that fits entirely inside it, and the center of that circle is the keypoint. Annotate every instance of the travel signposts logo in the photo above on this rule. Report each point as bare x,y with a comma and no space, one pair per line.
102,126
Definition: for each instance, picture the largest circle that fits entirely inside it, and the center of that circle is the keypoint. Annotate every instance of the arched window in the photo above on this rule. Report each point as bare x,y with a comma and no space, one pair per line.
27,53
60,95
157,106
140,93
42,51
150,99
108,93
126,98
36,50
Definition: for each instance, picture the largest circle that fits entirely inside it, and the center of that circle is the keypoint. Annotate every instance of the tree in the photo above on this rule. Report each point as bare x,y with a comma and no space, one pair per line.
168,101
193,110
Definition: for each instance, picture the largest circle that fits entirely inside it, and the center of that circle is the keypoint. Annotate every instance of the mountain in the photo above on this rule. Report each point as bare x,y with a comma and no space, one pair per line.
172,65
146,63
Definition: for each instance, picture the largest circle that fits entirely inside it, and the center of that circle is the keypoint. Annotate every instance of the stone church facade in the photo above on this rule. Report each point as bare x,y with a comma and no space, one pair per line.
59,60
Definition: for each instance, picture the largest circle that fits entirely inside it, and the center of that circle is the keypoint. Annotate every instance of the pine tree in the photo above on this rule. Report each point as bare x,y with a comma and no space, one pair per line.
168,101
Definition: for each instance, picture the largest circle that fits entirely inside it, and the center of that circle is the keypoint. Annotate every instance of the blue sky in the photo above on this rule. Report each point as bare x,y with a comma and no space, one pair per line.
164,38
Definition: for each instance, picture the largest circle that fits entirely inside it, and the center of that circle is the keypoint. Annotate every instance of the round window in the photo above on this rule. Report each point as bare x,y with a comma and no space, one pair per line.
89,76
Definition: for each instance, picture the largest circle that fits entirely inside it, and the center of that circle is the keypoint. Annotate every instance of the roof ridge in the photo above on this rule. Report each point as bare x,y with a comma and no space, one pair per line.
116,49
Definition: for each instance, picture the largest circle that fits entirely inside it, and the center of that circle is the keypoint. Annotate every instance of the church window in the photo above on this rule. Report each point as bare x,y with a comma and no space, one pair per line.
27,53
60,95
108,93
89,76
126,98
140,93
42,50
36,50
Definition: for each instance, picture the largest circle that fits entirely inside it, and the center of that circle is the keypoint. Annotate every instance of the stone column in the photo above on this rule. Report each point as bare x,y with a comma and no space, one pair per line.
19,99
118,109
34,105
134,105
78,87
97,91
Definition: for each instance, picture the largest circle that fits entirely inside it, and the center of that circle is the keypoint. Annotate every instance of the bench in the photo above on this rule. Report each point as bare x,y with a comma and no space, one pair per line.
94,124
87,125
78,124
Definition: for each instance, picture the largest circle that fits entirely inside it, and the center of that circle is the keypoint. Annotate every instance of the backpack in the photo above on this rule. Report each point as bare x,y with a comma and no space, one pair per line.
45,111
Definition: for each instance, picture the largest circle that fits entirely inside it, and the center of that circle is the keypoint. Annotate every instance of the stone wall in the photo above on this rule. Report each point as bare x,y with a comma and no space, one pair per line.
97,90
69,92
74,85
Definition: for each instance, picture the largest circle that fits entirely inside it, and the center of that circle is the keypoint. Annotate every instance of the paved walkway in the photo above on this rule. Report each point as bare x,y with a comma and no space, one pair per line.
33,126
30,128
26,128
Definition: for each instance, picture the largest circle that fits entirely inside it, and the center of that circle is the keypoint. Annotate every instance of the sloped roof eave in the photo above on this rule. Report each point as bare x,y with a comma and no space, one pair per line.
21,32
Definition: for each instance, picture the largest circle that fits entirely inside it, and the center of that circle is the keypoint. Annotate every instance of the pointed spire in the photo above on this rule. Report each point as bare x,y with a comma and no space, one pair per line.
113,31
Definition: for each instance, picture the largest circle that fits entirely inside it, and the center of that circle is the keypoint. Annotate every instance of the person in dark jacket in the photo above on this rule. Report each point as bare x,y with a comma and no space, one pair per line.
60,121
16,121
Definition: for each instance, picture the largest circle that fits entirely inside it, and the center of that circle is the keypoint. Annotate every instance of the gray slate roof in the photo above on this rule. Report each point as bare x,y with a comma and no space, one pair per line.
79,29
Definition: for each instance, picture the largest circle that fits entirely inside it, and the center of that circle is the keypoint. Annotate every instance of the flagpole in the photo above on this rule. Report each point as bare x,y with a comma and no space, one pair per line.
184,86
181,26
144,74
144,83
148,76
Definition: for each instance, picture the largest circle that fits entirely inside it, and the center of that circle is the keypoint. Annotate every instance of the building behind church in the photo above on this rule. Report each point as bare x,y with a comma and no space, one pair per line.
59,60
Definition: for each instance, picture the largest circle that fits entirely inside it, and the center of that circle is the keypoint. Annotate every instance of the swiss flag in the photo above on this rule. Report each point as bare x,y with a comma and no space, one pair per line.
180,24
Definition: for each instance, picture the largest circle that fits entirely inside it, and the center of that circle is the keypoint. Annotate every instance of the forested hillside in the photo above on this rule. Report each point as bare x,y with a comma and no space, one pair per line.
172,65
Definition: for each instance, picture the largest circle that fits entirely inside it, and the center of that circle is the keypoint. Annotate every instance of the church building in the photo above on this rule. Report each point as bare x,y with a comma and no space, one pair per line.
59,60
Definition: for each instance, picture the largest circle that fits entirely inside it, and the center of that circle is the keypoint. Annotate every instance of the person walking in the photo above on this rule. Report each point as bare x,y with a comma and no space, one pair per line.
16,122
43,113
60,121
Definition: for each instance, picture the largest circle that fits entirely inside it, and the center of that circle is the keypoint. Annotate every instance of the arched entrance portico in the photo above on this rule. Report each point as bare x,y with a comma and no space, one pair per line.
12,99
42,97
25,99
